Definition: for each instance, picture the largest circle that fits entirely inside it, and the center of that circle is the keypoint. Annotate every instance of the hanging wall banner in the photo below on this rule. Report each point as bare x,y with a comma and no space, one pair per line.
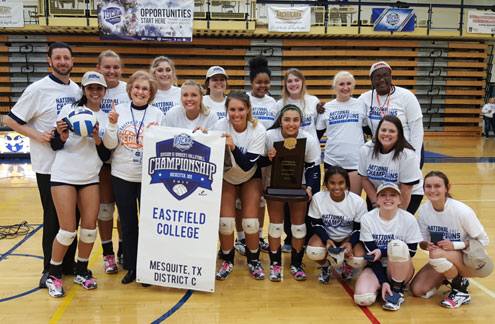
284,19
146,20
180,208
11,14
392,19
482,22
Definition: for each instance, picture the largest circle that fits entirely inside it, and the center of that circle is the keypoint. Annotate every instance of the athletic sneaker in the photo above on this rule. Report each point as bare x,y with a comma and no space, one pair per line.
324,276
346,272
256,269
455,299
286,248
394,306
275,272
224,270
298,272
264,245
85,280
240,246
109,264
55,286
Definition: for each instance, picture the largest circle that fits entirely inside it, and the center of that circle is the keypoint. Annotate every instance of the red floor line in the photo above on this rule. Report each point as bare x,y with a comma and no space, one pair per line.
349,290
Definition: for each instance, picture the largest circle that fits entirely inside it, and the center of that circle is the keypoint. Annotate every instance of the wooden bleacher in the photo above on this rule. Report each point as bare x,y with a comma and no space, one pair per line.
448,77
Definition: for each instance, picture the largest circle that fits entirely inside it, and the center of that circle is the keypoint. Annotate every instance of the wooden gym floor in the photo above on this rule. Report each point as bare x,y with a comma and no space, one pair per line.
469,163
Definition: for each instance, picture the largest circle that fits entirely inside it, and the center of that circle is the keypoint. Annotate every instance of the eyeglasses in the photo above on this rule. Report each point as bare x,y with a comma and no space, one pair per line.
377,77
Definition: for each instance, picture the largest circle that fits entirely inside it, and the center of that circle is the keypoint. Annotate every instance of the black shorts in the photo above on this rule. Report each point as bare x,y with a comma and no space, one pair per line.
327,166
78,187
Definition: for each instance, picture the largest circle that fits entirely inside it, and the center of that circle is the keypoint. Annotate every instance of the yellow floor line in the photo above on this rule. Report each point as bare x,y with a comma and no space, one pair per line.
5,204
68,298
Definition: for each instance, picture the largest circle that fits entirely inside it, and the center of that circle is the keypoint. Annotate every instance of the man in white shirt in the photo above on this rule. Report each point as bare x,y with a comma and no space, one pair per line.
34,115
487,111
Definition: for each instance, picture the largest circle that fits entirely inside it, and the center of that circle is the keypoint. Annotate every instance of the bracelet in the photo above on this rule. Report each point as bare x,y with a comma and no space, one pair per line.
459,245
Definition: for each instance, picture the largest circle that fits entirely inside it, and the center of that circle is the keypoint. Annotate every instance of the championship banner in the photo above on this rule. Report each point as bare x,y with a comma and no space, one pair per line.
146,20
393,19
11,14
481,22
284,19
180,208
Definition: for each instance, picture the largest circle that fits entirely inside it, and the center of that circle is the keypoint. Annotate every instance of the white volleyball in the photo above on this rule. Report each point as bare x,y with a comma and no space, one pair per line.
82,121
179,189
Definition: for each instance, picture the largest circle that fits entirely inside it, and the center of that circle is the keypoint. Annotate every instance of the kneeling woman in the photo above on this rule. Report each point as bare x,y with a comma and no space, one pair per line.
245,139
448,227
390,235
287,126
74,182
336,219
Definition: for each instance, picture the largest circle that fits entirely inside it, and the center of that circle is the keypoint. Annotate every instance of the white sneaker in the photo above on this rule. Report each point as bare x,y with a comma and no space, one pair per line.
85,280
324,276
109,264
240,246
224,270
275,272
55,286
394,306
456,299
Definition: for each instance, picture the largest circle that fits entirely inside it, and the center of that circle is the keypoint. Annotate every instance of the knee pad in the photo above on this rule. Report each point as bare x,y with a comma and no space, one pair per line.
298,231
88,235
440,265
316,253
250,225
262,202
227,225
106,212
275,230
397,251
365,299
65,238
238,204
357,262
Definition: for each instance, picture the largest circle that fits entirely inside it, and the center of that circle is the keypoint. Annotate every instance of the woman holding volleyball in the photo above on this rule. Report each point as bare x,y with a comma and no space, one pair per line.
451,231
74,182
286,127
245,141
125,136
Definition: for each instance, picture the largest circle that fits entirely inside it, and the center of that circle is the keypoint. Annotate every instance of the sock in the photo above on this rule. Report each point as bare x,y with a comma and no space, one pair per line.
55,269
82,266
241,236
107,247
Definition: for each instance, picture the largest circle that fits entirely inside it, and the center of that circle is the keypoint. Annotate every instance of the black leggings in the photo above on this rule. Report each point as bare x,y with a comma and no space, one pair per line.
127,197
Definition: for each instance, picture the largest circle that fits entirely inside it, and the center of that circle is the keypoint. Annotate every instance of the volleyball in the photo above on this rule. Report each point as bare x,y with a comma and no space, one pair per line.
179,189
81,121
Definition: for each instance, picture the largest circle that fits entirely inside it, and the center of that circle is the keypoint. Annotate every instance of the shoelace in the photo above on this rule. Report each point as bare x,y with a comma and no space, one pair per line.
225,266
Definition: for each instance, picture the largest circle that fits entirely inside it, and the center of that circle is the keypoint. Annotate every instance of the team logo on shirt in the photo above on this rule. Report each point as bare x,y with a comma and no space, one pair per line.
376,115
382,173
447,233
182,165
342,116
335,221
128,138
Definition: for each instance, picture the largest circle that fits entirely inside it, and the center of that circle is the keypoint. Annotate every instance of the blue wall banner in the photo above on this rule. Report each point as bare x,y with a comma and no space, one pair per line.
146,20
393,19
180,208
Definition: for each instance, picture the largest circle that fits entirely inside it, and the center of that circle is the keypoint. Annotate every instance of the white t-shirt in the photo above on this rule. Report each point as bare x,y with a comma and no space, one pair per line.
118,95
38,106
166,99
337,217
488,110
176,117
404,169
312,150
402,227
217,107
343,122
457,222
403,104
78,162
310,113
251,140
126,164
264,109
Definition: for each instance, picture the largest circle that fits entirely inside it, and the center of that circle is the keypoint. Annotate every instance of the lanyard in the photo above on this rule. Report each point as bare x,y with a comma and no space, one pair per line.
140,125
387,100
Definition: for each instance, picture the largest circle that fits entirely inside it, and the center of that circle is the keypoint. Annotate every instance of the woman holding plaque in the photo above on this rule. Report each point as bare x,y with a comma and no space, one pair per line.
389,158
168,94
451,232
343,122
286,129
245,142
192,113
125,136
